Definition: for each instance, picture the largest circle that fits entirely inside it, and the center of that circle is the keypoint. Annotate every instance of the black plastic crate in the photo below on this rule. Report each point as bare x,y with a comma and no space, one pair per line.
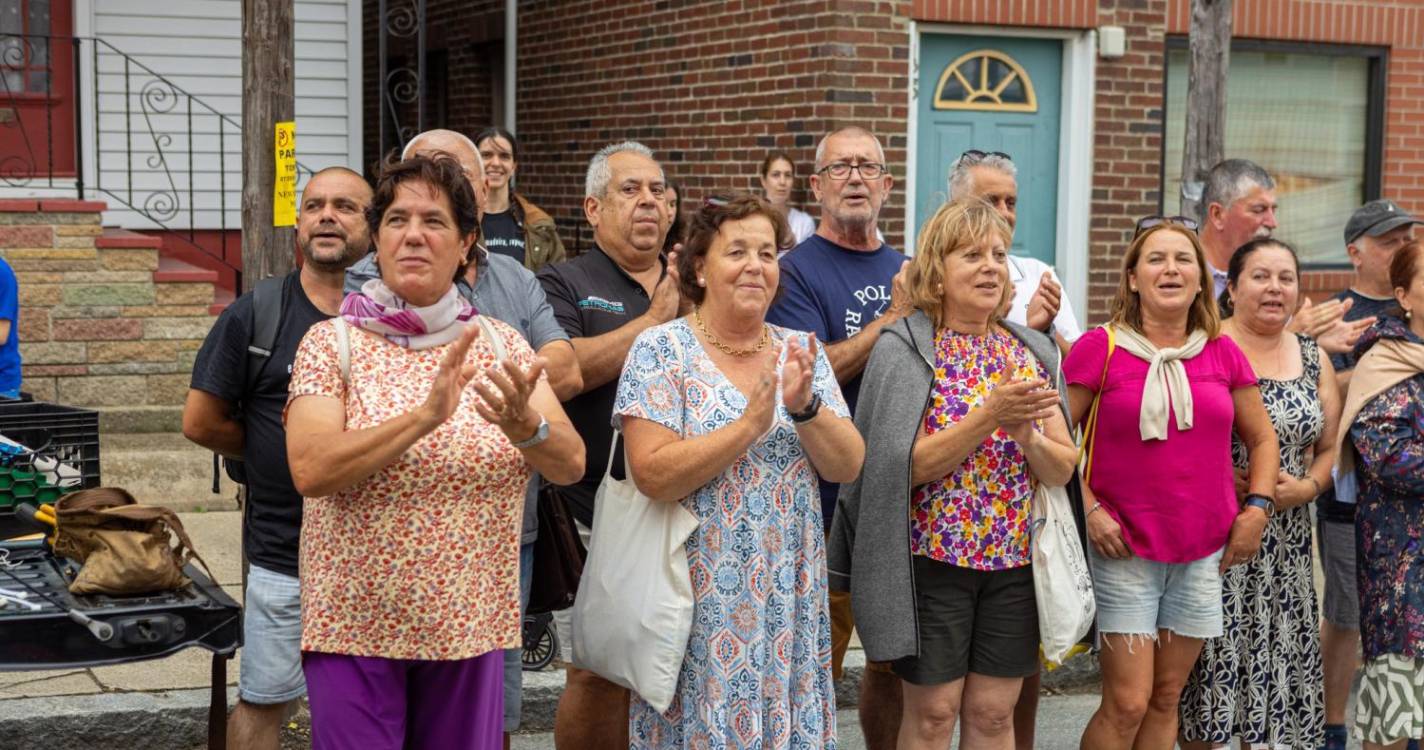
66,434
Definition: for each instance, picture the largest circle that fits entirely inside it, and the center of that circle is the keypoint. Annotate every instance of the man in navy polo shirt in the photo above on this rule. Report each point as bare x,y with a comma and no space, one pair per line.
845,284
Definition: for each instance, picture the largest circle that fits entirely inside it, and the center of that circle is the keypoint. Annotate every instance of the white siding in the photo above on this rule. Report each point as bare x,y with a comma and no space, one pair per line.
196,45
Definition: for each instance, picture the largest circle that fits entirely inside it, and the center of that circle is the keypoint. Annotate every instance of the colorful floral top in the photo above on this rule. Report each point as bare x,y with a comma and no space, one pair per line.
420,561
978,516
1389,520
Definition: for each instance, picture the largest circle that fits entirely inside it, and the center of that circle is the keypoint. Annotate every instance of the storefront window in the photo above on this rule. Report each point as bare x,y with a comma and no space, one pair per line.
1304,116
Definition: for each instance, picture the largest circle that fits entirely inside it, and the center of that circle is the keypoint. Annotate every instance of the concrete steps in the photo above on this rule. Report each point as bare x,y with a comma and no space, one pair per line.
164,469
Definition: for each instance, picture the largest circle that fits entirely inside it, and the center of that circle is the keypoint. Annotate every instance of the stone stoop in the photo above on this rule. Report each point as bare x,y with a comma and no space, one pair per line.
164,468
104,323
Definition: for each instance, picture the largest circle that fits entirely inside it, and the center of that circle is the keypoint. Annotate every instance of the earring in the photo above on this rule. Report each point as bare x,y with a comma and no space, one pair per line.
701,281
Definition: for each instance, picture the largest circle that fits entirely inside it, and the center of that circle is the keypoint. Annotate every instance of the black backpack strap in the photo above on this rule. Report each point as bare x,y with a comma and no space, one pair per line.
268,297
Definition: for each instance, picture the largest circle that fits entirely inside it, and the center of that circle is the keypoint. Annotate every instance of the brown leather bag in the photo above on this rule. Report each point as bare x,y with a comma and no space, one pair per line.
124,547
559,555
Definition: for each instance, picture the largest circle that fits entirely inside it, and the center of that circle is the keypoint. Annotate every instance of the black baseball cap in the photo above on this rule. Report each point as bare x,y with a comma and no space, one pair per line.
1375,218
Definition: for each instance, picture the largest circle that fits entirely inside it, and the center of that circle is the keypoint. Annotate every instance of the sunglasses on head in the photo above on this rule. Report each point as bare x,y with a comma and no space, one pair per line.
975,155
1147,222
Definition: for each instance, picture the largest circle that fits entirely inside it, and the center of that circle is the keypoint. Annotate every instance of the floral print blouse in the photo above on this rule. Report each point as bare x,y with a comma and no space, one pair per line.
978,516
1389,520
421,560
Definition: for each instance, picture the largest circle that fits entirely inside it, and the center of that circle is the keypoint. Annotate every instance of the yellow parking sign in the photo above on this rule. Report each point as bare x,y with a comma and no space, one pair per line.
284,187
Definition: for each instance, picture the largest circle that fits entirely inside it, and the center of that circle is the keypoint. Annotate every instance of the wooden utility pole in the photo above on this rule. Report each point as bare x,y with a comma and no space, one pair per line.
268,93
1210,56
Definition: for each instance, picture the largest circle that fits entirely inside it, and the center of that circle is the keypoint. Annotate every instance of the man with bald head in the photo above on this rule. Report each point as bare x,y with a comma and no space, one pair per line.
502,288
845,284
234,408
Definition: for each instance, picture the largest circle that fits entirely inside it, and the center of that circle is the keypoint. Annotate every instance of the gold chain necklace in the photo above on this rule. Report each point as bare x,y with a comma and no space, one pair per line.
714,341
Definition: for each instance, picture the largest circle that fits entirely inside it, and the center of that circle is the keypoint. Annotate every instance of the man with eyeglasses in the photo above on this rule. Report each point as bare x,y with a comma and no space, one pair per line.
1038,294
845,285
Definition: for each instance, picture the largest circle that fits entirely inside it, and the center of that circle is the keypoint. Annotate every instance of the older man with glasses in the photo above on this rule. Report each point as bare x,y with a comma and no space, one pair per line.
845,284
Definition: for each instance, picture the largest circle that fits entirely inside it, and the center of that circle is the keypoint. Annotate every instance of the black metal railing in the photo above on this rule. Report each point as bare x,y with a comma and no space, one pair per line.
77,108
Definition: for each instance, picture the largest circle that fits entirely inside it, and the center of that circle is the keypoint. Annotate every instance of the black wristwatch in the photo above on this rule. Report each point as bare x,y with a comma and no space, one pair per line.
1266,504
810,412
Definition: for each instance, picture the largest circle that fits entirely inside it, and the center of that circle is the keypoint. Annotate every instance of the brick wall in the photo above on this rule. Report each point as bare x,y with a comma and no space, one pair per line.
710,87
100,324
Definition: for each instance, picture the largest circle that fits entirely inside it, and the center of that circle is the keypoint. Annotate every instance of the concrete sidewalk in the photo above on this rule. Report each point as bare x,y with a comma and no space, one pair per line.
163,703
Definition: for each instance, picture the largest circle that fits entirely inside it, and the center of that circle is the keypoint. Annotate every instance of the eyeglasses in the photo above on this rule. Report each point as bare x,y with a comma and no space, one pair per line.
1147,222
840,170
974,156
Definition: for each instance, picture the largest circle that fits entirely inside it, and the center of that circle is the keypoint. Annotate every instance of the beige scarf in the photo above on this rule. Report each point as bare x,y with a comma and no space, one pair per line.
1387,364
1166,383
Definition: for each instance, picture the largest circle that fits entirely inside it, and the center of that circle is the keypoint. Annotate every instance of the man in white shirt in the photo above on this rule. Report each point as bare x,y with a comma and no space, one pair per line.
1038,294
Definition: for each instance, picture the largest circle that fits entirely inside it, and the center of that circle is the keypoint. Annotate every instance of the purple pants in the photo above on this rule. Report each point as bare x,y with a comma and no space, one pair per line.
371,703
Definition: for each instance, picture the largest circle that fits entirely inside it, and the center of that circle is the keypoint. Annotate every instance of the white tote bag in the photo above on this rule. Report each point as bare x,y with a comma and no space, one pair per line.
1062,585
633,611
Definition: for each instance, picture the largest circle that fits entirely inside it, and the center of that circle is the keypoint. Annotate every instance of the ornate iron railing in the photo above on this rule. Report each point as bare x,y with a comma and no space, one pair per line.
401,56
77,113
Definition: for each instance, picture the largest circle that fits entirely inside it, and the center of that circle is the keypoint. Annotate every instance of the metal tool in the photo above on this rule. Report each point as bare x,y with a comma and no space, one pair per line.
101,630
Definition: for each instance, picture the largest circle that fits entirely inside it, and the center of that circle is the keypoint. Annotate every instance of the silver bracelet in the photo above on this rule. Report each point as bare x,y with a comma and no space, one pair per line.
1092,510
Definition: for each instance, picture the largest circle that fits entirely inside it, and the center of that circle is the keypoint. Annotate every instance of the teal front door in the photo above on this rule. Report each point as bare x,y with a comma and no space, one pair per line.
992,94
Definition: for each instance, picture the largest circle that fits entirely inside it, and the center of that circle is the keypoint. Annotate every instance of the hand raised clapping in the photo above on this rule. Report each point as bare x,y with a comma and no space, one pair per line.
798,373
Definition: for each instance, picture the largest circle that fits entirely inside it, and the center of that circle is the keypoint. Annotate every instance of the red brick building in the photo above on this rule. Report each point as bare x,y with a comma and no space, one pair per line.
1324,93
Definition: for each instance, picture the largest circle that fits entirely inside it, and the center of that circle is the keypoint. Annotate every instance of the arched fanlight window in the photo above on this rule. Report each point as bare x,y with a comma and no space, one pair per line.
985,80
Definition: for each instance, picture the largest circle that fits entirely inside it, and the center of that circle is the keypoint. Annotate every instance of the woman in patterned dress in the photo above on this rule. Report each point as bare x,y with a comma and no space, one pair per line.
1384,412
735,418
962,421
412,452
1262,680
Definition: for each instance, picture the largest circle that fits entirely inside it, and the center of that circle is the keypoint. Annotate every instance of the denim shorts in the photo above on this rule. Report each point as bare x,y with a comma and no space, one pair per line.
1141,597
270,670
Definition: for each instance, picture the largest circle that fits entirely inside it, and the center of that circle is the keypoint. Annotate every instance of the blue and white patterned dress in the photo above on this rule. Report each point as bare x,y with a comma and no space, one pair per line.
757,673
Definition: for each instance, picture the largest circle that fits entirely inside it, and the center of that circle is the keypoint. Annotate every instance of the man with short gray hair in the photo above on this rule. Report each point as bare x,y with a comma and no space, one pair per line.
604,298
1238,204
1038,294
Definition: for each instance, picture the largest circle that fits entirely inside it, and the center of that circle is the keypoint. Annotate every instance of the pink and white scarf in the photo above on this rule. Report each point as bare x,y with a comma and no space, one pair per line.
377,309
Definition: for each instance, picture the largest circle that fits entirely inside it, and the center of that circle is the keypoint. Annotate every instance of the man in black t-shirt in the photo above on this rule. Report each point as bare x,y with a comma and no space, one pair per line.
604,299
223,415
1372,235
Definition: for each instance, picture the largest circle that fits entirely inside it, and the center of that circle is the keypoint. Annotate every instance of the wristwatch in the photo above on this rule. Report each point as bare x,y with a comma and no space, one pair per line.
1264,503
541,433
809,413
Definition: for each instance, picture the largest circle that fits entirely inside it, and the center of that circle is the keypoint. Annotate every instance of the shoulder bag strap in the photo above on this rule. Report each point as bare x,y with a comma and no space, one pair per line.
343,347
1090,427
494,338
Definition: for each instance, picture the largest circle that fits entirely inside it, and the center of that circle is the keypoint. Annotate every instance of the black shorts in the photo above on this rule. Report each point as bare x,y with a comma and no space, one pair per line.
979,621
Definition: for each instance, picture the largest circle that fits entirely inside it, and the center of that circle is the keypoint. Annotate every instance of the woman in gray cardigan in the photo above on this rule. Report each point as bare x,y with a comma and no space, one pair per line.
961,422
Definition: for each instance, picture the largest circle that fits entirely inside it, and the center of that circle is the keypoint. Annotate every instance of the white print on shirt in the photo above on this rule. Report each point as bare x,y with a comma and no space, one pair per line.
868,296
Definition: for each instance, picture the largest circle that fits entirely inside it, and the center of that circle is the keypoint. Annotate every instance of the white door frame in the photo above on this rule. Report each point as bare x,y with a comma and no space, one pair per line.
1075,145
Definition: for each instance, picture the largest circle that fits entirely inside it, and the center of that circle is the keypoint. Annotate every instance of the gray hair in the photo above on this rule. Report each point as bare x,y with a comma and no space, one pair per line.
1230,180
851,130
595,183
409,149
961,176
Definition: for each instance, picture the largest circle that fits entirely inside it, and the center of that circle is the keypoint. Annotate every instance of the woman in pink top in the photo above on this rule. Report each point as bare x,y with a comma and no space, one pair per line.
1163,519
